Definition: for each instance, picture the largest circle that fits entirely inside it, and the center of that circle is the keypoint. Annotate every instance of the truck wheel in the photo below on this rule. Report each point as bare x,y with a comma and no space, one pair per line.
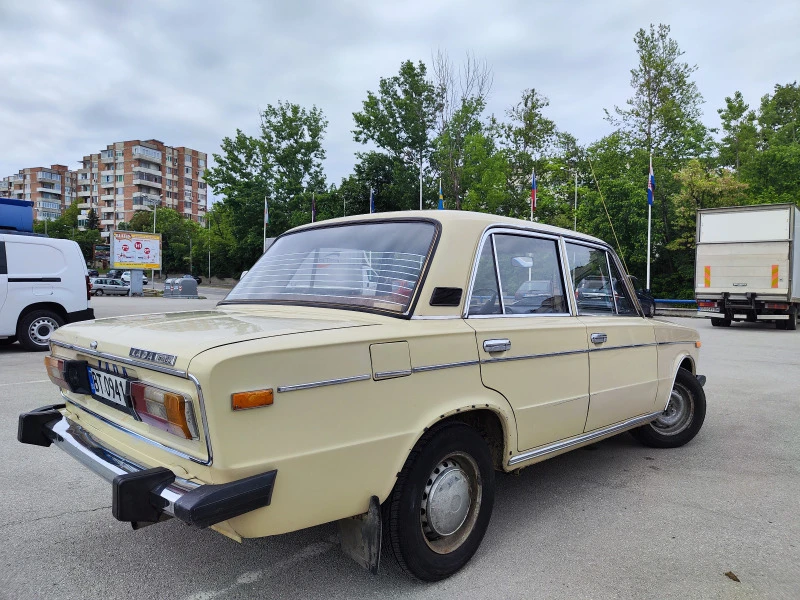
35,328
720,322
681,420
441,504
791,324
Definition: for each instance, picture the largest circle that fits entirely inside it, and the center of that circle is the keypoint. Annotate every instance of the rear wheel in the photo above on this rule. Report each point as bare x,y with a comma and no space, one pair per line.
791,324
721,322
440,507
98,293
681,420
35,328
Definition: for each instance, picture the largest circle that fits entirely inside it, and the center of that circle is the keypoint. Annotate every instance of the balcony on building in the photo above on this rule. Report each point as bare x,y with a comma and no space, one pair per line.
142,201
147,168
85,194
106,221
139,179
47,176
107,197
107,184
52,190
107,156
104,210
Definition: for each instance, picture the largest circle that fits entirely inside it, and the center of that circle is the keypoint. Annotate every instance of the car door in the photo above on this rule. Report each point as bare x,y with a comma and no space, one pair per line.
535,354
623,356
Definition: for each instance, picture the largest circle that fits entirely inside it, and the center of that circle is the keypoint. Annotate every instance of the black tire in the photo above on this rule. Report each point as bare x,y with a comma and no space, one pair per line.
791,324
682,419
781,324
419,535
8,341
716,322
35,328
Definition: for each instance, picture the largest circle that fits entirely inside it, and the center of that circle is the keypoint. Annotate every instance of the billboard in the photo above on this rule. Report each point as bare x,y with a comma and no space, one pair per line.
135,250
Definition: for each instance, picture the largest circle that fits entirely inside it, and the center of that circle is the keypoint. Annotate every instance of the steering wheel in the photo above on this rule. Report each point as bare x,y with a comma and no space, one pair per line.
488,307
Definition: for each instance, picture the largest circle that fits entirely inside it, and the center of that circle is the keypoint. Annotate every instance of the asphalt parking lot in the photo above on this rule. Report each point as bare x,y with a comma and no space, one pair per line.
613,520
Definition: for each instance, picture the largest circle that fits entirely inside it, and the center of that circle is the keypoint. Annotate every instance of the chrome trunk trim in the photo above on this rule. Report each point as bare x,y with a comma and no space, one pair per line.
122,359
582,439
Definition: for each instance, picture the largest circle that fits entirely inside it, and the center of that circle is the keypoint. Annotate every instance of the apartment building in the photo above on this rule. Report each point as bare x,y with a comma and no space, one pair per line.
50,189
139,175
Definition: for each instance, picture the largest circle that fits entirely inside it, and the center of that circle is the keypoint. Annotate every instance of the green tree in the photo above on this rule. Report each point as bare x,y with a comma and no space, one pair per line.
283,162
92,221
738,124
399,120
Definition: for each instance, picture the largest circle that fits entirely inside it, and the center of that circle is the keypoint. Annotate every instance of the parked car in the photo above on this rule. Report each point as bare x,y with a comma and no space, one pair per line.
43,285
126,277
368,403
104,285
646,299
114,274
93,273
199,280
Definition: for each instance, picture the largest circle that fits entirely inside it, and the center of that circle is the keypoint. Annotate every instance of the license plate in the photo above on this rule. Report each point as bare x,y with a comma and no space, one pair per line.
109,387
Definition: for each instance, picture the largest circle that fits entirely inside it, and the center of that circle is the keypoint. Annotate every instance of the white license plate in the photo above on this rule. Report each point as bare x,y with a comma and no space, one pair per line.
109,387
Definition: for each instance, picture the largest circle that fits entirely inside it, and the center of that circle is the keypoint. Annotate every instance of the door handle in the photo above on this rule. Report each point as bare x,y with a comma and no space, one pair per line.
497,345
599,338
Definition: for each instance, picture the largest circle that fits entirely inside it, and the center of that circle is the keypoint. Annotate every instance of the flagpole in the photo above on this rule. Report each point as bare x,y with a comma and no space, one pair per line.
420,180
266,220
313,208
649,219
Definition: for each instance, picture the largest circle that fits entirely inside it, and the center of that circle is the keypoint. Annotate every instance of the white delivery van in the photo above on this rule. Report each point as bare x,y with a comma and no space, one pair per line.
44,284
748,264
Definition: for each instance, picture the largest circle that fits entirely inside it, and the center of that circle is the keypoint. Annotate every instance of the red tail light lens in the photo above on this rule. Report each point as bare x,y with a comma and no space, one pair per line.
55,371
168,411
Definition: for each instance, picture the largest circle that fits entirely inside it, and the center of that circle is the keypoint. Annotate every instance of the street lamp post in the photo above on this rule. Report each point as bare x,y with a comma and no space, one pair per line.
155,214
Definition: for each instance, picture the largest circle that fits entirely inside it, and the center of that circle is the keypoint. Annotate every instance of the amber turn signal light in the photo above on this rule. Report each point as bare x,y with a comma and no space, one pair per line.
254,399
698,343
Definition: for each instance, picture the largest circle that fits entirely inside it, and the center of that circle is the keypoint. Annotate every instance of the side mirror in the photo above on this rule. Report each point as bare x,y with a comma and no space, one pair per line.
522,261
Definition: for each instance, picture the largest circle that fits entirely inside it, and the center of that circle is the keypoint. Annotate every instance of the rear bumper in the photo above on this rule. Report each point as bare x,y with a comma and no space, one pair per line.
80,315
141,495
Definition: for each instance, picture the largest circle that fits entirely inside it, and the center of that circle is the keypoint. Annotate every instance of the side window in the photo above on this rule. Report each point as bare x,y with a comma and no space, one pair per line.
622,298
530,275
485,297
598,291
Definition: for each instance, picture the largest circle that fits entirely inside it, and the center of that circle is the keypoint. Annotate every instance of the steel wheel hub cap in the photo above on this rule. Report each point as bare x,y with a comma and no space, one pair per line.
42,329
448,499
678,414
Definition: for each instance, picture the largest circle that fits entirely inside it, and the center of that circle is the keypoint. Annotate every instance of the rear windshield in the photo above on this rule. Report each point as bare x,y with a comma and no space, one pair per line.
365,265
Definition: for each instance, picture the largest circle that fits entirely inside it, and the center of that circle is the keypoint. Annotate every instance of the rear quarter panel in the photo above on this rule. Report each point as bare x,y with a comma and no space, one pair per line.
334,446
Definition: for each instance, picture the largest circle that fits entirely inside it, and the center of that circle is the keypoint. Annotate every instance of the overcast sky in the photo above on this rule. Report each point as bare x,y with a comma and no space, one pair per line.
75,76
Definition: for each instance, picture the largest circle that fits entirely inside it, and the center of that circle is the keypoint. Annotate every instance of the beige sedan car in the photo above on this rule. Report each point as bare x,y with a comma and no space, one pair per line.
376,371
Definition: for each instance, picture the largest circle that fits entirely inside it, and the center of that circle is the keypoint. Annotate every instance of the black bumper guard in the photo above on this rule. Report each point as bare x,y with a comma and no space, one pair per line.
140,495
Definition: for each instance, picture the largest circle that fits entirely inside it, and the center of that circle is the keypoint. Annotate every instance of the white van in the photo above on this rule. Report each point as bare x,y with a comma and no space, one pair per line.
44,284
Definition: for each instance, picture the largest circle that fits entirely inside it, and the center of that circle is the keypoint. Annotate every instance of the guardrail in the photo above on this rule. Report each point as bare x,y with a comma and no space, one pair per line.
675,307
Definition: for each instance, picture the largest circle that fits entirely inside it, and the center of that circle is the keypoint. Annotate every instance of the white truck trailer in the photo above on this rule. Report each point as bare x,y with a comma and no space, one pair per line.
748,264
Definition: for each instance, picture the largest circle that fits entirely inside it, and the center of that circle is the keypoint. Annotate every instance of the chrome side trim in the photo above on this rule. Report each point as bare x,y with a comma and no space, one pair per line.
529,356
582,439
106,462
122,359
434,317
138,436
673,343
466,363
391,374
315,384
623,347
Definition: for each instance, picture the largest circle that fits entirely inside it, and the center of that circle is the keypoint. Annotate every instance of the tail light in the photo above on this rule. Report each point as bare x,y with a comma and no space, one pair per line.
55,371
706,304
776,306
88,288
165,410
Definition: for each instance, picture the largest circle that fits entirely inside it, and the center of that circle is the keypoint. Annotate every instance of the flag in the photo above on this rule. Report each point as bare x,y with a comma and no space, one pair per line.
371,200
533,190
266,212
313,208
441,197
651,184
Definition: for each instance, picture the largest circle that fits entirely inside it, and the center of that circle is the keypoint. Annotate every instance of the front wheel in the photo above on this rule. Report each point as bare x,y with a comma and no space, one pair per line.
98,293
439,509
35,329
681,420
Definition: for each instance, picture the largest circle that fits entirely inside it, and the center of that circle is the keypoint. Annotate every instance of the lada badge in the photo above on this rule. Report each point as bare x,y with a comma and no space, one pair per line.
156,357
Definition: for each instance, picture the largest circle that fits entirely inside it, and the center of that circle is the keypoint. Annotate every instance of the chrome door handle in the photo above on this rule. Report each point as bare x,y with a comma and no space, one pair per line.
497,345
599,338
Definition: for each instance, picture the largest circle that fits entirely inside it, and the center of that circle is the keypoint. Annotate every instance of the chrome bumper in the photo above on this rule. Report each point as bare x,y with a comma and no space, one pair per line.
142,495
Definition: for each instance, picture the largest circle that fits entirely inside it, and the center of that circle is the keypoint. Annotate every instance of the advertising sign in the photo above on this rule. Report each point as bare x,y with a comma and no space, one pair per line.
134,250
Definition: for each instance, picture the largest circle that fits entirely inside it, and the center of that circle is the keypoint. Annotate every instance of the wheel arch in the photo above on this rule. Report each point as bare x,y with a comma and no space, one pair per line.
51,306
